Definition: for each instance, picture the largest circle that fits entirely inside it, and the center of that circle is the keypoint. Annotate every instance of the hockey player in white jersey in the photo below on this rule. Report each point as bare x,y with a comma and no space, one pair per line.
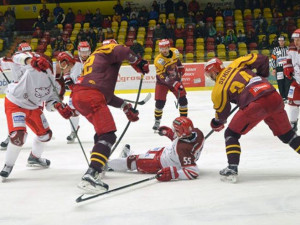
22,108
177,161
16,73
291,70
84,51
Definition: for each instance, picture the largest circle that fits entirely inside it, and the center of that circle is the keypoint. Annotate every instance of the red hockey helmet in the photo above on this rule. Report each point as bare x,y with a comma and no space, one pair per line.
296,34
109,41
23,47
84,50
164,43
65,57
183,126
213,67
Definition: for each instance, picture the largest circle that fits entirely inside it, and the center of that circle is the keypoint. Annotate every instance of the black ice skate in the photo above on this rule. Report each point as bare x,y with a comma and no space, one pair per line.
5,172
37,162
295,126
91,183
71,137
125,151
230,173
3,145
156,125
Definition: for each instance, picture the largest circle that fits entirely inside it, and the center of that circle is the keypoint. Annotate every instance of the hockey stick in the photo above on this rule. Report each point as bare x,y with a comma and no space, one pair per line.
82,199
4,75
210,132
135,105
72,125
140,102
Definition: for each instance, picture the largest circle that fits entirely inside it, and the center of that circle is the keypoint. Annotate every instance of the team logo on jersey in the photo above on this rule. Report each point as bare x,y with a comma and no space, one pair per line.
161,61
42,91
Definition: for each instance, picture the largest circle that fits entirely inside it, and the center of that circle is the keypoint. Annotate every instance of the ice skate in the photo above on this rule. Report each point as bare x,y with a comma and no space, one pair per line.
5,172
229,174
91,183
156,125
71,138
125,151
295,126
37,162
3,145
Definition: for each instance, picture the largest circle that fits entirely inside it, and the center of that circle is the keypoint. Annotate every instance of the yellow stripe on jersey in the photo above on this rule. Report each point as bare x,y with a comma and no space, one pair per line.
161,62
106,49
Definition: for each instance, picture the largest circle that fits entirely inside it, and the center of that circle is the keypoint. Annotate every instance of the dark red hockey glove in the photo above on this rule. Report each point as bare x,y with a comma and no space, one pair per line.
216,126
64,110
181,70
167,174
141,66
166,131
178,86
40,63
131,113
288,69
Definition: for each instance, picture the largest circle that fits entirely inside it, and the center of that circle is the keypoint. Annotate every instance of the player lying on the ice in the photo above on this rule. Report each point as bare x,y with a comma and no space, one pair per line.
176,161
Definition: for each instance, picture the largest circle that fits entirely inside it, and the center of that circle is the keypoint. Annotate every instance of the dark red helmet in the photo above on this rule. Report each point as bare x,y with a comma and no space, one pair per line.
66,56
183,126
23,47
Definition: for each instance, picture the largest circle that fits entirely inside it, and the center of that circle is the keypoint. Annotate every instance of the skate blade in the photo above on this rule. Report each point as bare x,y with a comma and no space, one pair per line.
37,166
3,148
3,179
90,189
70,142
229,179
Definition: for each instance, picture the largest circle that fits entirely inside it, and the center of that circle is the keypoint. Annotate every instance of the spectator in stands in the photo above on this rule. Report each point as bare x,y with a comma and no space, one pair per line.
88,16
274,43
190,19
39,23
137,48
135,12
180,32
58,44
70,17
169,7
92,34
220,39
254,4
200,17
153,14
1,17
250,37
156,6
264,44
90,41
289,12
170,33
144,13
241,37
9,11
272,28
44,13
99,17
69,46
94,23
79,17
219,12
61,18
159,33
118,8
49,25
142,21
37,33
55,32
78,39
106,22
260,24
161,23
180,3
193,6
116,18
82,34
227,11
127,9
109,34
239,4
57,9
209,11
210,30
282,27
200,31
181,13
230,38
124,17
100,36
133,22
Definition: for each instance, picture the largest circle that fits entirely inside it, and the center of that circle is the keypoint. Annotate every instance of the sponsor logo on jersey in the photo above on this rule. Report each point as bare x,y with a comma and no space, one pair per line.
18,119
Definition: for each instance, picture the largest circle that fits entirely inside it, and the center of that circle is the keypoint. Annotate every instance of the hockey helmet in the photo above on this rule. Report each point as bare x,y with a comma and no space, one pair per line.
65,57
109,41
23,47
213,67
84,50
296,34
183,127
164,43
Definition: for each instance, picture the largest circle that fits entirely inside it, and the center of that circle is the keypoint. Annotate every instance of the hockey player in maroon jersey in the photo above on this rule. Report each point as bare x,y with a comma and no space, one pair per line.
92,94
257,100
175,161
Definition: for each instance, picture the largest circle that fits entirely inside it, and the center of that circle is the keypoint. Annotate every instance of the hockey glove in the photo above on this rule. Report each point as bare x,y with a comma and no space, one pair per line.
216,126
40,63
166,131
131,113
64,110
181,70
167,174
69,82
288,69
178,86
141,66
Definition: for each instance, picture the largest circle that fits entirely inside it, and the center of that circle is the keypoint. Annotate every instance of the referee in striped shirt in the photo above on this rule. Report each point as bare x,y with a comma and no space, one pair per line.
278,59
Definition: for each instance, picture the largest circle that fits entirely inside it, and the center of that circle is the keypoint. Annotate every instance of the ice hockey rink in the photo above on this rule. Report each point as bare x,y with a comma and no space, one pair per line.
267,192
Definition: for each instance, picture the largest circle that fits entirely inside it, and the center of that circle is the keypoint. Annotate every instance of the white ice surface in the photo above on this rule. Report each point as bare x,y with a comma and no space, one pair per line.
267,193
